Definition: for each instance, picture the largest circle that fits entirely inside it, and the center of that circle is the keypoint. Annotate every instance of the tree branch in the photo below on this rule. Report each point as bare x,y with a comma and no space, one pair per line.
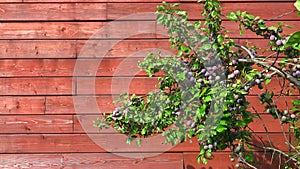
273,149
273,68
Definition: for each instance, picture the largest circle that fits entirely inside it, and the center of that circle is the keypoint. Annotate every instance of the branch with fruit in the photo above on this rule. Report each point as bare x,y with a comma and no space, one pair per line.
204,89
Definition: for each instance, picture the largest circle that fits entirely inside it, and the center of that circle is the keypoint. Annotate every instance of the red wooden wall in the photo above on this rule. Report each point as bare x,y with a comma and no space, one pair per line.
40,42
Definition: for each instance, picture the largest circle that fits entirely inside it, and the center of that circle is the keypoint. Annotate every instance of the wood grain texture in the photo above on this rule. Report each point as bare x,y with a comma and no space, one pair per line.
34,161
47,115
117,30
79,104
86,49
36,86
282,102
84,124
120,48
222,160
104,104
90,160
22,105
36,124
275,9
117,1
37,49
106,67
111,161
79,143
116,85
141,1
53,12
72,30
234,29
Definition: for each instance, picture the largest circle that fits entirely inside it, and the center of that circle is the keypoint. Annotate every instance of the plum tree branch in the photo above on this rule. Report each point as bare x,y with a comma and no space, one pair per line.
273,149
273,68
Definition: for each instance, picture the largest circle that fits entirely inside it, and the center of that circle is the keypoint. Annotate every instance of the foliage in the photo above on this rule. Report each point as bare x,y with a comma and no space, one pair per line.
204,87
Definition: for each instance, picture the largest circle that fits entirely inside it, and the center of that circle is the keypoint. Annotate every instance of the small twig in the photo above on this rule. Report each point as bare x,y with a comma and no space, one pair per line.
270,67
293,147
282,15
273,149
272,157
264,125
259,137
282,129
242,160
279,158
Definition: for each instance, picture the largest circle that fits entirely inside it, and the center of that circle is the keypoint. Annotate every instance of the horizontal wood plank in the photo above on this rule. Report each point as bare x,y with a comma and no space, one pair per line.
103,104
222,160
84,49
34,161
107,161
143,85
60,143
234,29
282,102
141,1
116,85
112,161
37,49
115,67
275,86
120,48
51,12
75,30
36,67
36,86
22,105
79,104
91,161
242,1
115,30
68,67
37,1
193,9
84,124
36,124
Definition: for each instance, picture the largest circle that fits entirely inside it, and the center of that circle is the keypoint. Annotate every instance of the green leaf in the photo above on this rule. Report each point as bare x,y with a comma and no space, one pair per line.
138,142
268,81
243,14
249,158
250,16
296,102
204,160
288,26
232,16
297,5
207,99
143,132
160,8
294,39
208,153
207,46
272,28
223,122
220,128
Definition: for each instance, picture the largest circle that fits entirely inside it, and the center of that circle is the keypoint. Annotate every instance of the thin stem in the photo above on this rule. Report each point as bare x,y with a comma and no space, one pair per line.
264,125
242,160
273,149
270,67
